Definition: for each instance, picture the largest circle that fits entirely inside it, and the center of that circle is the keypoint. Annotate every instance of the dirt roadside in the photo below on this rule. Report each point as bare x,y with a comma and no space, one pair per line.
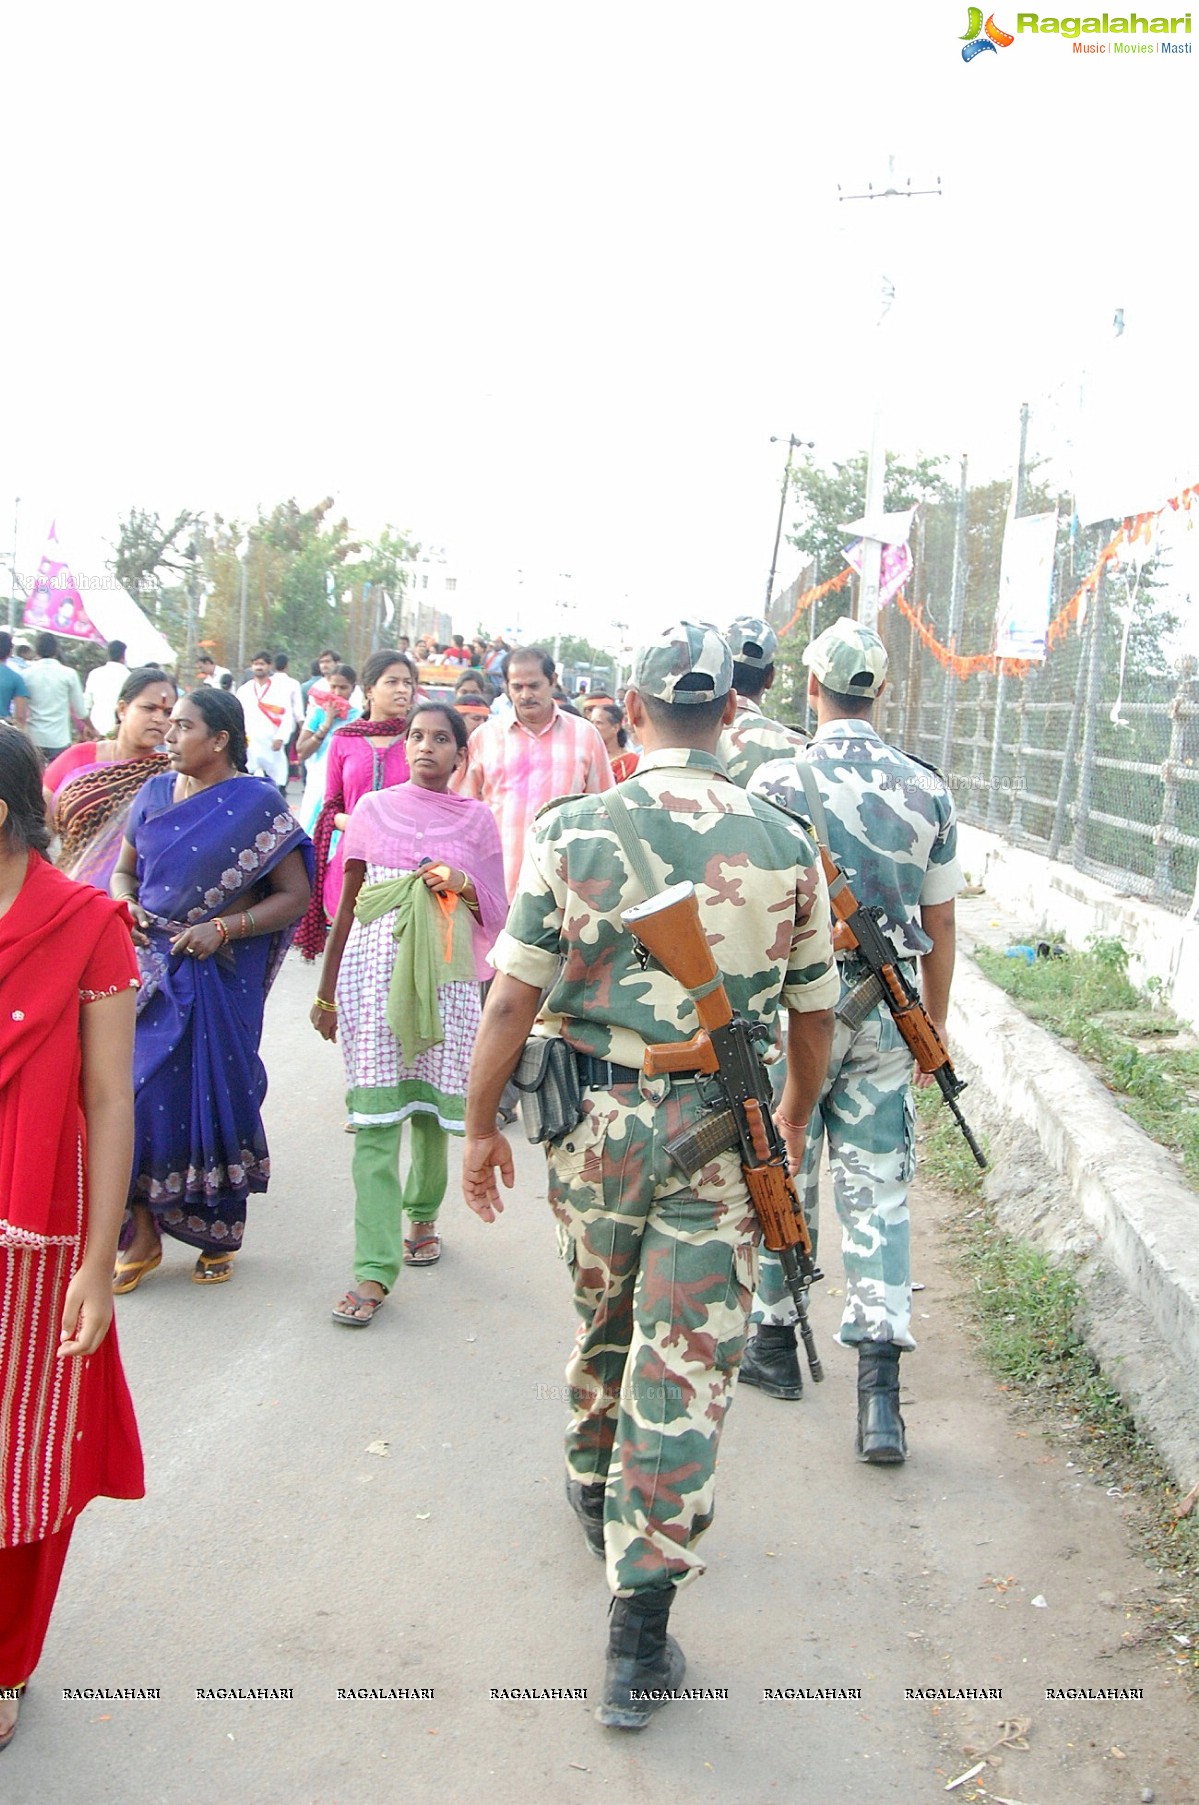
990,1560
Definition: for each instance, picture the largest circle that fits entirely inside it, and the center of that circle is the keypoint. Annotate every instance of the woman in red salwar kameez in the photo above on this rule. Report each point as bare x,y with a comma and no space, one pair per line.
67,1430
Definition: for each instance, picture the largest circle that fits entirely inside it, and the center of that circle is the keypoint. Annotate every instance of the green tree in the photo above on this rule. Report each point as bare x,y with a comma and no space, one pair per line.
151,563
378,578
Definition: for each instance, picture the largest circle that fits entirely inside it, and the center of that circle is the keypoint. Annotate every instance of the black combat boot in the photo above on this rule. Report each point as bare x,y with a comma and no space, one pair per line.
771,1362
587,1503
880,1426
644,1663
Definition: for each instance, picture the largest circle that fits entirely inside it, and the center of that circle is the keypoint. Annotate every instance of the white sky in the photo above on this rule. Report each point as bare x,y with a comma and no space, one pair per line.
540,282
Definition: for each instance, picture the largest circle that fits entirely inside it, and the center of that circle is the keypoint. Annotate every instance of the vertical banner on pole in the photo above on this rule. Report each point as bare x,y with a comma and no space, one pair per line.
1025,587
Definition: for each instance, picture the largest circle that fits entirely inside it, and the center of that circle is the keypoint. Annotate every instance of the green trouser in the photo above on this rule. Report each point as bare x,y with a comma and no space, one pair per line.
380,1200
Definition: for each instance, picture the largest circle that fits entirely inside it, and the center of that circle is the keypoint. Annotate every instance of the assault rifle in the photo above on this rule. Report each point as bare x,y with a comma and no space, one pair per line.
858,930
668,927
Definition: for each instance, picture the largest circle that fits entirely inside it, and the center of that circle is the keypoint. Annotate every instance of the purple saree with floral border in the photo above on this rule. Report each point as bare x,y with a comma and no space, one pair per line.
199,1083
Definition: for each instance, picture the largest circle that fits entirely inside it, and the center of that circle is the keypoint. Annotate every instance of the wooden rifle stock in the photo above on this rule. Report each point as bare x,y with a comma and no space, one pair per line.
669,927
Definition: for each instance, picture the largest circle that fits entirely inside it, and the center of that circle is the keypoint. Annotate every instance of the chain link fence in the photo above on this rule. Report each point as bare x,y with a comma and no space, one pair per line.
1091,759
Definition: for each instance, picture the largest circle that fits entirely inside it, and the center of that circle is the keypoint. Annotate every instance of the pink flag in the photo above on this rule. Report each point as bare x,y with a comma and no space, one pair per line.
895,570
54,604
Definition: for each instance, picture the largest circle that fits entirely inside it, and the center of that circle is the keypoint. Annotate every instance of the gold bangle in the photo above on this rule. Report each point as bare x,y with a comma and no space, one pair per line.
221,929
786,1122
324,1007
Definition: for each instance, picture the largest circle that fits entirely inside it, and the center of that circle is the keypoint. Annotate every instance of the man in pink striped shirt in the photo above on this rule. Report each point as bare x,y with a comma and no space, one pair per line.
519,762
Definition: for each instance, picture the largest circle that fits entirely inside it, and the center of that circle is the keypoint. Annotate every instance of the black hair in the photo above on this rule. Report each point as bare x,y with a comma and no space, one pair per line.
21,788
5,645
458,726
46,646
141,679
751,679
474,677
858,706
616,716
281,661
345,670
116,649
700,718
530,655
222,713
378,662
264,656
330,653
225,681
206,658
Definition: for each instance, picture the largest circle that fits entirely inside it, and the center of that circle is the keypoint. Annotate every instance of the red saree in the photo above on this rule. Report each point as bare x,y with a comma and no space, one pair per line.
67,1429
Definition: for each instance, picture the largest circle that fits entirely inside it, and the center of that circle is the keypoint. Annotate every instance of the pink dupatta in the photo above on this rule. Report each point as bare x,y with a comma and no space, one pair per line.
405,825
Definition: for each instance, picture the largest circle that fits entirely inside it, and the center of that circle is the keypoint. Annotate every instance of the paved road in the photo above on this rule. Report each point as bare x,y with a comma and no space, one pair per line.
275,1550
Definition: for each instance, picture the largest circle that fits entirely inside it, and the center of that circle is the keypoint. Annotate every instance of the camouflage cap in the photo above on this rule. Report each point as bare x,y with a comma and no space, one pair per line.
689,648
848,658
752,641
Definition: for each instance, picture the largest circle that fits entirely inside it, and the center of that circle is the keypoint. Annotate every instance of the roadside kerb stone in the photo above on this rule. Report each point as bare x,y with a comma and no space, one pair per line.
1105,1192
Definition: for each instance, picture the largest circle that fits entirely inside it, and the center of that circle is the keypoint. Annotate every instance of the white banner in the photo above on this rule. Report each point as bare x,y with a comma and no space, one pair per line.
1025,587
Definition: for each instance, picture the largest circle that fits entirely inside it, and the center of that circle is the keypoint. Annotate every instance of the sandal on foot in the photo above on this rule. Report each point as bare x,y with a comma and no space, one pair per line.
127,1275
213,1269
349,1310
422,1250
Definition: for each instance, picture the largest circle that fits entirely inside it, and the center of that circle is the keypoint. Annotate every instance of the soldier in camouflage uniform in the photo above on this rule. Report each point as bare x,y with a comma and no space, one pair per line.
663,1267
753,739
890,825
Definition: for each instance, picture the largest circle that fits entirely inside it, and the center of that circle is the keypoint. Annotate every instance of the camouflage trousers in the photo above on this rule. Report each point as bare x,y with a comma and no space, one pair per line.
867,1116
663,1279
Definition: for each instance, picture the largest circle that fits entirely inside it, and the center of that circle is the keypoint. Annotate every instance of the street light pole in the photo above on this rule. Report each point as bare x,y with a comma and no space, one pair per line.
243,552
793,445
12,594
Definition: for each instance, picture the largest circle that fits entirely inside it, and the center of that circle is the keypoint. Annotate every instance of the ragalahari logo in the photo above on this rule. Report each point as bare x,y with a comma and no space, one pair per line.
975,40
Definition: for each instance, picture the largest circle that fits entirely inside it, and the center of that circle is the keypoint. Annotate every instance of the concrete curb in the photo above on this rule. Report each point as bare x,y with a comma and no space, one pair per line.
1072,1172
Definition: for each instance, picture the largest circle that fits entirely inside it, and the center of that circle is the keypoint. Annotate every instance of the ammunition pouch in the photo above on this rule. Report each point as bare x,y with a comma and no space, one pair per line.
551,1097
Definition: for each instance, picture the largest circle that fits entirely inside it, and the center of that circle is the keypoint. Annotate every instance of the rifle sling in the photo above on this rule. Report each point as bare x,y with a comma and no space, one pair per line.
630,840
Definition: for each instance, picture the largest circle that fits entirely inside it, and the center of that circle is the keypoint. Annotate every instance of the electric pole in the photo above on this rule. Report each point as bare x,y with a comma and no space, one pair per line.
793,445
876,465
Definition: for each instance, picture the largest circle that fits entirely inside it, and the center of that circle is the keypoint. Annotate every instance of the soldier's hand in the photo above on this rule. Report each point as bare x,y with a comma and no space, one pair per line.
795,1133
481,1156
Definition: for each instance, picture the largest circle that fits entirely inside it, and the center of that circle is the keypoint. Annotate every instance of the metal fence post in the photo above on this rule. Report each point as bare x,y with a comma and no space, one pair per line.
995,774
1028,690
1090,722
957,596
1167,825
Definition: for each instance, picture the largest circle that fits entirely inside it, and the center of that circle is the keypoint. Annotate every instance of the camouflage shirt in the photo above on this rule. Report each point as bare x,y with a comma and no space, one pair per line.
754,739
762,897
891,823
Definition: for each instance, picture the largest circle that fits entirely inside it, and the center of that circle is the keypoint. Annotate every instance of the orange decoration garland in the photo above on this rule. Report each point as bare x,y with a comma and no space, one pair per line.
1138,527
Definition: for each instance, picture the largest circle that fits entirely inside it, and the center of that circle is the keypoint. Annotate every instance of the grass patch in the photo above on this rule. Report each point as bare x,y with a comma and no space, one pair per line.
1028,1313
1086,999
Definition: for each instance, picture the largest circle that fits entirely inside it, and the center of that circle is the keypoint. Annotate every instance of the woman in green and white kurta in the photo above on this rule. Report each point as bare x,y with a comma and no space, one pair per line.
422,902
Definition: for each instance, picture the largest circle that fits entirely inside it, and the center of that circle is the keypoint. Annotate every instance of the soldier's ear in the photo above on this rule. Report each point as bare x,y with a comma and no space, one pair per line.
730,709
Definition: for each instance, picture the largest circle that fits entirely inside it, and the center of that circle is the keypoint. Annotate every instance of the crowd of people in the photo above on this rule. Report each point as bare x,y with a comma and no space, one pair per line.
457,865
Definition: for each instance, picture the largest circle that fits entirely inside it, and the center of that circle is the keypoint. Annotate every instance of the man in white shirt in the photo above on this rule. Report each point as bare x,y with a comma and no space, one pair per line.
103,687
55,700
267,705
209,671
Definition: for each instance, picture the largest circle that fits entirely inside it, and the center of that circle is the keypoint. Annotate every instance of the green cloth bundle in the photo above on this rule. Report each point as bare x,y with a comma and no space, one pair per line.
421,967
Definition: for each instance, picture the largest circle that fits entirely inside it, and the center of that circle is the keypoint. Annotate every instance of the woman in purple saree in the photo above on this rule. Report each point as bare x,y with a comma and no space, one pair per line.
216,870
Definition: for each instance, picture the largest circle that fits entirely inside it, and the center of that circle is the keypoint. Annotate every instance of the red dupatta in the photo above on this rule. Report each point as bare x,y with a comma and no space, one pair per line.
46,939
